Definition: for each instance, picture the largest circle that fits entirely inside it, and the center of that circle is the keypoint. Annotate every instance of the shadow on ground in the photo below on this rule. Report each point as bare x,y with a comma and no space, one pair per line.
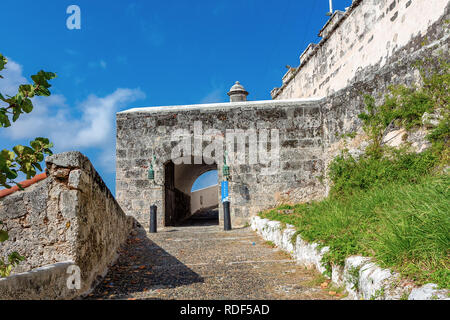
144,267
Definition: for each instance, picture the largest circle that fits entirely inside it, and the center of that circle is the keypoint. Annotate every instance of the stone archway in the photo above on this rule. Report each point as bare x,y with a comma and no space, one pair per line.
178,181
297,127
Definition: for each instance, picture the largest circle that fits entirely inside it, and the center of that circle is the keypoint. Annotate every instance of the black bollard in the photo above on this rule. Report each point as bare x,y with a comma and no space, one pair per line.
226,216
153,221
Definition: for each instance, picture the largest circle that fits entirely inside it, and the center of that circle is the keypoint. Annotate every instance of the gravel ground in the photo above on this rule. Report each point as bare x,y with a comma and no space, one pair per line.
204,262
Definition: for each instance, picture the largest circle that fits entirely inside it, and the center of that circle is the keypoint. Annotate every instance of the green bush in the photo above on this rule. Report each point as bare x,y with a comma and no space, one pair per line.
351,176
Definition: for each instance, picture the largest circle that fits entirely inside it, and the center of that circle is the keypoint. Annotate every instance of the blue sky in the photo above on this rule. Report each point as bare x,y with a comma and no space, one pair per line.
145,53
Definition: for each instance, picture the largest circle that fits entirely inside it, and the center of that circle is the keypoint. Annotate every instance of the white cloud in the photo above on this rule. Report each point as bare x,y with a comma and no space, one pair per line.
12,78
88,125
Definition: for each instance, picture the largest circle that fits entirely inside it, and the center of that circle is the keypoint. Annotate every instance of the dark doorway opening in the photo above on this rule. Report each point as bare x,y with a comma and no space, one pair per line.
185,205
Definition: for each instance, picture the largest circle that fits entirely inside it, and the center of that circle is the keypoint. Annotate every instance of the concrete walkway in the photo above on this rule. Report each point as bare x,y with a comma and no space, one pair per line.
204,262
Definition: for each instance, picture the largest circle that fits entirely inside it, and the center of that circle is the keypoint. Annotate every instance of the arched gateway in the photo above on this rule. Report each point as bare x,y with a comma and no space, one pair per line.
179,200
275,154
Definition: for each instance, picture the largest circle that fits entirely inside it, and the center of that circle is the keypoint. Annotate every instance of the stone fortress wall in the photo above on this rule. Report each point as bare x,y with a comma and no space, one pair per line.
144,132
71,218
384,39
400,67
368,33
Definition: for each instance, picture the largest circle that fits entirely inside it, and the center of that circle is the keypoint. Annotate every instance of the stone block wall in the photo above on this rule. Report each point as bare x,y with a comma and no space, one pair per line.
371,34
37,228
144,132
341,109
374,44
70,216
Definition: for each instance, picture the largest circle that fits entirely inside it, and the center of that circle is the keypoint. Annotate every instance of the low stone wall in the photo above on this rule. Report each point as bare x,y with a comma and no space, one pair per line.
37,228
361,277
47,282
70,216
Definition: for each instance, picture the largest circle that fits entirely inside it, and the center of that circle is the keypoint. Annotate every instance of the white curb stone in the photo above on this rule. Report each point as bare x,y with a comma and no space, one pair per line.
429,292
361,278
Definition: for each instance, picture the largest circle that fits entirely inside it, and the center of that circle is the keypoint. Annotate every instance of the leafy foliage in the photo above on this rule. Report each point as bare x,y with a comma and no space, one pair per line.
14,258
24,159
391,204
405,107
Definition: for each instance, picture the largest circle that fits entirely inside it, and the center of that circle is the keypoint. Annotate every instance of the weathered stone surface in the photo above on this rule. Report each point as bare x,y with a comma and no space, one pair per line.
369,36
351,275
431,120
70,159
374,281
13,207
45,283
395,138
71,215
62,173
69,202
429,292
78,179
252,187
36,229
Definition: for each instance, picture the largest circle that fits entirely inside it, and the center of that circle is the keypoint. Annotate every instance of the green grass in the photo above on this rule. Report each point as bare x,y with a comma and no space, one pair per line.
270,244
405,227
390,204
351,176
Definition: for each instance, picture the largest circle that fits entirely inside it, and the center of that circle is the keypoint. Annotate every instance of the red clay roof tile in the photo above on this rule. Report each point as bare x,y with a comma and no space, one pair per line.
24,184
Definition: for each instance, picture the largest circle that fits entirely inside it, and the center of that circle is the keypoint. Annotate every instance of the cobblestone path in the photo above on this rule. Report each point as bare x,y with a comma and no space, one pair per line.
204,262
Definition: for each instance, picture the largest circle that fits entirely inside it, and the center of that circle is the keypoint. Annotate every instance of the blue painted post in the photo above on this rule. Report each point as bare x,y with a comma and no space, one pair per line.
226,207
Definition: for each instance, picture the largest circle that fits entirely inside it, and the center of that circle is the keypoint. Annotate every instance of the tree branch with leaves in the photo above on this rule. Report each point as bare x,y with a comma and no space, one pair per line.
25,159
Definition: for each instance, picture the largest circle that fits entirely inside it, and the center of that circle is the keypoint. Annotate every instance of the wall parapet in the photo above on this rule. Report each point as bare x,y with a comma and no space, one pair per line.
368,33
